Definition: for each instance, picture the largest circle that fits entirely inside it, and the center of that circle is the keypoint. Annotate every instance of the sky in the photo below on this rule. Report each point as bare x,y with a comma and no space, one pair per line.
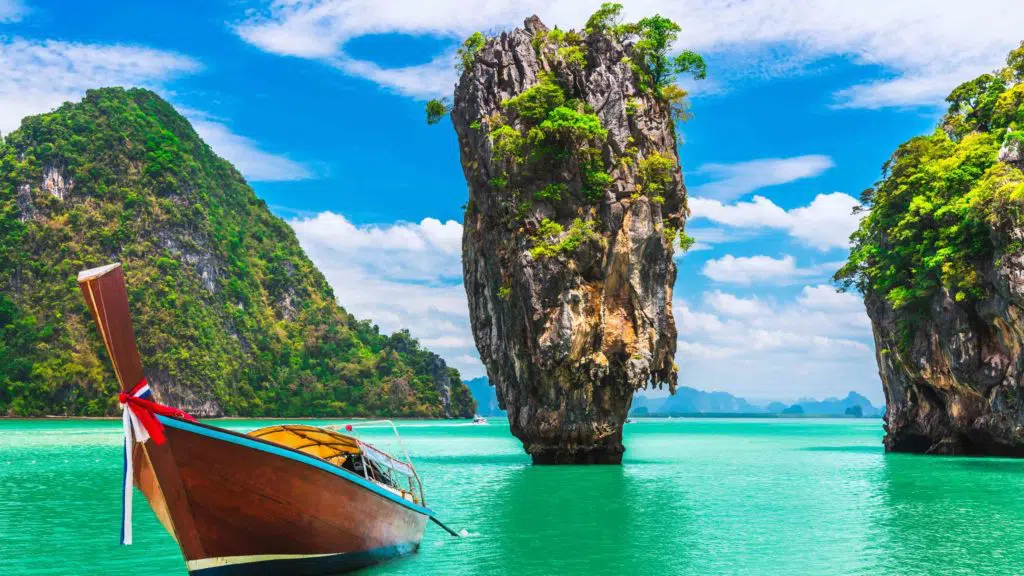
319,103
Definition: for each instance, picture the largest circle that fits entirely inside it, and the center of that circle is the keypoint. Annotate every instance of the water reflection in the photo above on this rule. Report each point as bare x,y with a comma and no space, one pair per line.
946,515
546,513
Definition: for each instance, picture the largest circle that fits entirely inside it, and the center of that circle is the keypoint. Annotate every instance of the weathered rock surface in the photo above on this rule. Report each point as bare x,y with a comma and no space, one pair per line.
566,340
957,389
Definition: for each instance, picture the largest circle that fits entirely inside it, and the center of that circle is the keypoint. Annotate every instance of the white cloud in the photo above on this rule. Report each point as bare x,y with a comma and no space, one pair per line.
827,298
426,252
11,11
39,76
399,275
817,343
746,270
905,91
246,155
751,269
917,42
423,81
731,181
825,223
733,306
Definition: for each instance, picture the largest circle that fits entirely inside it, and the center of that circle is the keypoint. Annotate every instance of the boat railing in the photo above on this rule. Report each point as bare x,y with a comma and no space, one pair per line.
384,459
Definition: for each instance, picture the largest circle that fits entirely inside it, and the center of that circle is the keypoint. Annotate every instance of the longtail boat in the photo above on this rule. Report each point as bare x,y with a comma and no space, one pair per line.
282,500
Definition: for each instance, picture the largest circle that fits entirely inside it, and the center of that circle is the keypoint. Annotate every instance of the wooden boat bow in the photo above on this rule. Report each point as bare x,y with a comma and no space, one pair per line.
238,504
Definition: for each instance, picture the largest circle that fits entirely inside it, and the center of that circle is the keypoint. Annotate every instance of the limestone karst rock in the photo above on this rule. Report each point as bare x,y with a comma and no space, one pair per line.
957,388
232,317
576,199
940,260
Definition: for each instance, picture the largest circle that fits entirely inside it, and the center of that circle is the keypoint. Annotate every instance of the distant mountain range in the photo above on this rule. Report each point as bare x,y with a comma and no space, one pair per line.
692,401
486,397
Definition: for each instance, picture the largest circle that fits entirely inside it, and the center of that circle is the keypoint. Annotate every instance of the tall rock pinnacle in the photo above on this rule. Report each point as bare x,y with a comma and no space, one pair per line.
576,203
939,257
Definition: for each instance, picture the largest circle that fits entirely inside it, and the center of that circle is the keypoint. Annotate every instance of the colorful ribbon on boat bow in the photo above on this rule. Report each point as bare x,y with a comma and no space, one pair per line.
139,419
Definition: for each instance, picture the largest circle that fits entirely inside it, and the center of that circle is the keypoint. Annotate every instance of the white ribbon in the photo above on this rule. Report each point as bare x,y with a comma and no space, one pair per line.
134,431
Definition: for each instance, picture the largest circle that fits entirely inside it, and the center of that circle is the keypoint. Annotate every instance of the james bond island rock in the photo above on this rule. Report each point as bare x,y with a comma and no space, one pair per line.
232,317
576,202
940,260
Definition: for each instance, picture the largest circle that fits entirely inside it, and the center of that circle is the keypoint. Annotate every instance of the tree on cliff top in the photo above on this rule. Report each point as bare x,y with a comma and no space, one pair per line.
931,217
556,124
651,38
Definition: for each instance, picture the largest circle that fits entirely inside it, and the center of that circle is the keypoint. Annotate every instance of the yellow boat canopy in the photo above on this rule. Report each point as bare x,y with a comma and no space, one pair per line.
329,445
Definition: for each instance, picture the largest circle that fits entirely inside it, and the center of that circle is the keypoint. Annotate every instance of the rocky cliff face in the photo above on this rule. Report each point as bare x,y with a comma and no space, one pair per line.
959,387
940,259
232,317
575,201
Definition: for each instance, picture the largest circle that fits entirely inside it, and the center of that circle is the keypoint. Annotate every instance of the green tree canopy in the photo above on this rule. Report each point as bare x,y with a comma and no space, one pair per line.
931,219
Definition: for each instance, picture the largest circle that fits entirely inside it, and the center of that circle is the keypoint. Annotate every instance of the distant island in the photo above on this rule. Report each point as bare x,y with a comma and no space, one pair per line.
486,397
691,401
232,316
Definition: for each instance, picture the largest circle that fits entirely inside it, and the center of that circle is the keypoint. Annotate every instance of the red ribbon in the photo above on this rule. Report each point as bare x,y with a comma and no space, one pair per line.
146,411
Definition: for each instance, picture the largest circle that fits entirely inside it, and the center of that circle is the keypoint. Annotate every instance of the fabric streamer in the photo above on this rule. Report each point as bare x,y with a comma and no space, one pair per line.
140,423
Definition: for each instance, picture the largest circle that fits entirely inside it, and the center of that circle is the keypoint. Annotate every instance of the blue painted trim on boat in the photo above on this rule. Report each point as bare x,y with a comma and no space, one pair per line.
312,566
293,455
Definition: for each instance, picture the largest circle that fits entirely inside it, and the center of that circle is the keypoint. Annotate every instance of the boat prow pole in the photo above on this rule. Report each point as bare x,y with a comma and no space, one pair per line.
107,298
446,528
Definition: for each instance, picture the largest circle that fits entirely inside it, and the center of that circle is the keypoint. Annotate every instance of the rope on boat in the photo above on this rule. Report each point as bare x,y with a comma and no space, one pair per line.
138,417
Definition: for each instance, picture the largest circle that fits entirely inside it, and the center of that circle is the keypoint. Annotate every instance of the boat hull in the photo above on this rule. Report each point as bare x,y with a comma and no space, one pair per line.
238,505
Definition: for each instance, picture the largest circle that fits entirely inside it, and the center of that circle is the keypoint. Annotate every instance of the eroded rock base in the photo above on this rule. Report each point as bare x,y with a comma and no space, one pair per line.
597,455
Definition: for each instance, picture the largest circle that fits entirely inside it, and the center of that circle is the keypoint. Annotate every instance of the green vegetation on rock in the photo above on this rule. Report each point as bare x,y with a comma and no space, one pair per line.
549,128
941,199
549,241
229,311
436,110
554,129
469,49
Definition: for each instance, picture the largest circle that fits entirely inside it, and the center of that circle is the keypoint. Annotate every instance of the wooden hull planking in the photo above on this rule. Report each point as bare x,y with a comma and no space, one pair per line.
237,505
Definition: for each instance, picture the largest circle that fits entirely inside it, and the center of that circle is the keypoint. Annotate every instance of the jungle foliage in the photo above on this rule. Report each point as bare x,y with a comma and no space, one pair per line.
933,220
225,302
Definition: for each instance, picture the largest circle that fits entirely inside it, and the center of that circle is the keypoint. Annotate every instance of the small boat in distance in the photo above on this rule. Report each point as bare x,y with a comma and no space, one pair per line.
280,500
478,419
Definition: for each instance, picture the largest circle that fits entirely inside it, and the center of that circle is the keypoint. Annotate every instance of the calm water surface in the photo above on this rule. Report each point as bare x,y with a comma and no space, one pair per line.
693,497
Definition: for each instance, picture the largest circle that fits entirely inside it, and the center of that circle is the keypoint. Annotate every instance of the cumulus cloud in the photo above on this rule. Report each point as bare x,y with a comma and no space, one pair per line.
400,275
827,298
824,224
817,343
748,270
925,46
726,318
731,181
731,305
41,75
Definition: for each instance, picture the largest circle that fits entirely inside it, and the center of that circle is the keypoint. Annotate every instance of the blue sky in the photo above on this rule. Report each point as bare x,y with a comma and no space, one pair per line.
320,104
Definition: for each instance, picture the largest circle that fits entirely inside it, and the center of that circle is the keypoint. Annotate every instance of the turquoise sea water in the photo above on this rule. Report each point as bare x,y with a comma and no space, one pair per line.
693,496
